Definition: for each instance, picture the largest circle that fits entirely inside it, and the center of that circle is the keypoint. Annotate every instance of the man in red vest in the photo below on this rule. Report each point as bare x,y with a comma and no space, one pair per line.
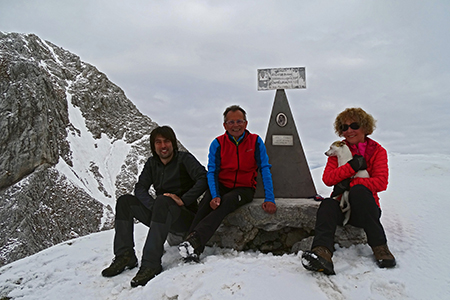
233,162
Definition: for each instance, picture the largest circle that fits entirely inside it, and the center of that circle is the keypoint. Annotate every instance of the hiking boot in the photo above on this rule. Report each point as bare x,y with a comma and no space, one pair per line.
188,252
190,249
319,260
144,275
383,256
121,262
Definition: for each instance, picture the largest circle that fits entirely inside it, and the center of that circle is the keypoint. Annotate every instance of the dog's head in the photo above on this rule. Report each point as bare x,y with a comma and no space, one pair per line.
334,148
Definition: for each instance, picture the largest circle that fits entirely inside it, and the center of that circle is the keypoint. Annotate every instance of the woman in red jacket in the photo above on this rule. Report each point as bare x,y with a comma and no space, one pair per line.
354,124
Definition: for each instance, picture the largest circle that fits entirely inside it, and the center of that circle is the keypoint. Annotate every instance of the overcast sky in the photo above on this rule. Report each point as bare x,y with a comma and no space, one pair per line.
183,62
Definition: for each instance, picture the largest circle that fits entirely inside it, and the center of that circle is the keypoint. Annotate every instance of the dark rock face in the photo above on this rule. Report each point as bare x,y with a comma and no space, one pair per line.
44,210
33,116
39,205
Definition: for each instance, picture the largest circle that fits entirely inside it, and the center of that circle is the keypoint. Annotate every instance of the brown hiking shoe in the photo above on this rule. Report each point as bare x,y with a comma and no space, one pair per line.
127,260
319,260
144,275
383,256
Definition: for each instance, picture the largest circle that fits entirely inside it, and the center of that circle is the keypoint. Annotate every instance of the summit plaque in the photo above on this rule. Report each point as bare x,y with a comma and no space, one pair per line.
281,78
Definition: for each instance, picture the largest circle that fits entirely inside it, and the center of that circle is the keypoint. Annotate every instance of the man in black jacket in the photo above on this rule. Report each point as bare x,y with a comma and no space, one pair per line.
179,180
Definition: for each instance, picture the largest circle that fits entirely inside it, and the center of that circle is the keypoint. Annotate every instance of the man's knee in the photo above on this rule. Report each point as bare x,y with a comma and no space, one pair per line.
163,205
123,205
230,202
125,201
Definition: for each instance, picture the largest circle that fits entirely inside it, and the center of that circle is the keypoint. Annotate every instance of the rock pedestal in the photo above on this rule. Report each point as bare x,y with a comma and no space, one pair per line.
289,230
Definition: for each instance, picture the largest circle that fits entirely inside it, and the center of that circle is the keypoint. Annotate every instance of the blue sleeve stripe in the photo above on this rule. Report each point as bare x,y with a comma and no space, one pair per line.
262,159
214,168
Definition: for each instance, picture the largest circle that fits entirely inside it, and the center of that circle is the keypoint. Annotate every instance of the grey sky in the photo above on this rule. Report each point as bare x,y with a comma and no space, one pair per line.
183,62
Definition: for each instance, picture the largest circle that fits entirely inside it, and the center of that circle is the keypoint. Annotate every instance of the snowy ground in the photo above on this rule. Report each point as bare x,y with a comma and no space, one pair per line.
415,214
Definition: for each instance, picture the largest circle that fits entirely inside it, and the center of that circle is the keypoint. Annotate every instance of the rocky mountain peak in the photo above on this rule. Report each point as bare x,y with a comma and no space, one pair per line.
70,143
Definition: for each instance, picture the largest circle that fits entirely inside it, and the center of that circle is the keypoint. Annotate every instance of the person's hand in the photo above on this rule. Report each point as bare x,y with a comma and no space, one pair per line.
341,187
215,203
357,163
175,198
269,207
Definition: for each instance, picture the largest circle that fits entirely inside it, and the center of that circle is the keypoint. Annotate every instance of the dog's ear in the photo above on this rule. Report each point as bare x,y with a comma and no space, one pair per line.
337,144
341,143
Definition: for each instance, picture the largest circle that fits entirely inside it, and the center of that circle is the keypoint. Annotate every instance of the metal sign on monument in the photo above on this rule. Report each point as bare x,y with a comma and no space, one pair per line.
281,78
290,172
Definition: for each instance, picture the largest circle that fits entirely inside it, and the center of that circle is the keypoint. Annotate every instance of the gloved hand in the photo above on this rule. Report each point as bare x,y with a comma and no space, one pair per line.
357,163
341,187
269,207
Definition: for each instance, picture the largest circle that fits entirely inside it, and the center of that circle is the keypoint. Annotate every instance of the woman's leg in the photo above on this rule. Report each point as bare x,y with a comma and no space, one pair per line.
366,214
329,215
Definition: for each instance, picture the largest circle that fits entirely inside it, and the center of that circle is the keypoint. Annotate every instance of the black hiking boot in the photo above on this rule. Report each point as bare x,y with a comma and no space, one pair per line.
144,275
121,262
383,256
319,260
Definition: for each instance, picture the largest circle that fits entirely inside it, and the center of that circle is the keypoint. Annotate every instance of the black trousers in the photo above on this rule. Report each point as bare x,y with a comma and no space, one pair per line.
207,220
365,214
164,217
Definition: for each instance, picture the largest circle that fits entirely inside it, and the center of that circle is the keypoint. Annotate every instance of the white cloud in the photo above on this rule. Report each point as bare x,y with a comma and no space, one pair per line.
390,58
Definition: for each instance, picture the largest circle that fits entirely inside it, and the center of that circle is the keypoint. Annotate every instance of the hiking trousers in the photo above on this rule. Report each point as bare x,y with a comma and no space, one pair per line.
207,220
164,217
365,213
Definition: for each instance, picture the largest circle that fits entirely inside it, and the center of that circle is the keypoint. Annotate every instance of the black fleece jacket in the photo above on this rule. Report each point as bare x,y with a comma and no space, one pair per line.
183,176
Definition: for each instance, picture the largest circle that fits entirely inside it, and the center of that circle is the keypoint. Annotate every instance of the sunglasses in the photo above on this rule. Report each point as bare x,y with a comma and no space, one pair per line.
354,126
232,122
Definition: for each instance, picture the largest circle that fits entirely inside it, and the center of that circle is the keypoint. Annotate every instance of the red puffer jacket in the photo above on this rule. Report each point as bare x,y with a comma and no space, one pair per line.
377,167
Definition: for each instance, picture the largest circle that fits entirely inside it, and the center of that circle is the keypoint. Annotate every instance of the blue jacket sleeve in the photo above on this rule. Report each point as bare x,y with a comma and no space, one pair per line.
264,166
214,168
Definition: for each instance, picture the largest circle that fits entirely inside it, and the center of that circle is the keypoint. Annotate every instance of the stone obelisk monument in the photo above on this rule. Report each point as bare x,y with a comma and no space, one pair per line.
290,170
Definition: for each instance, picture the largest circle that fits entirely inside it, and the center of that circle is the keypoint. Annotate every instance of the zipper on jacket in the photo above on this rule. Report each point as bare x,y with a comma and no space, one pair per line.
238,164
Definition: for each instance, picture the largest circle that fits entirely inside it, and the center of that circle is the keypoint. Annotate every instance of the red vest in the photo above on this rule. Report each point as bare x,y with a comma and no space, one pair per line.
238,166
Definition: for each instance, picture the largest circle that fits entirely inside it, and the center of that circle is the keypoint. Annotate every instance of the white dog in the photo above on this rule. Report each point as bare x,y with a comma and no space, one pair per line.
343,153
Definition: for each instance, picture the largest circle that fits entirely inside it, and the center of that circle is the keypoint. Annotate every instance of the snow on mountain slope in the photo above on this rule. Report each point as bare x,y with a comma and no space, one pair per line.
96,162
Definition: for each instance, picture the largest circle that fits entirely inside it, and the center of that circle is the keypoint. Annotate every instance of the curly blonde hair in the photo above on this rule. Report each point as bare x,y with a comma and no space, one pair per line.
358,115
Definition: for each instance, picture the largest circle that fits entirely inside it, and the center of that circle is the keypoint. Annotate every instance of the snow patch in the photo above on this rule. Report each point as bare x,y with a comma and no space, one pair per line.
96,162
